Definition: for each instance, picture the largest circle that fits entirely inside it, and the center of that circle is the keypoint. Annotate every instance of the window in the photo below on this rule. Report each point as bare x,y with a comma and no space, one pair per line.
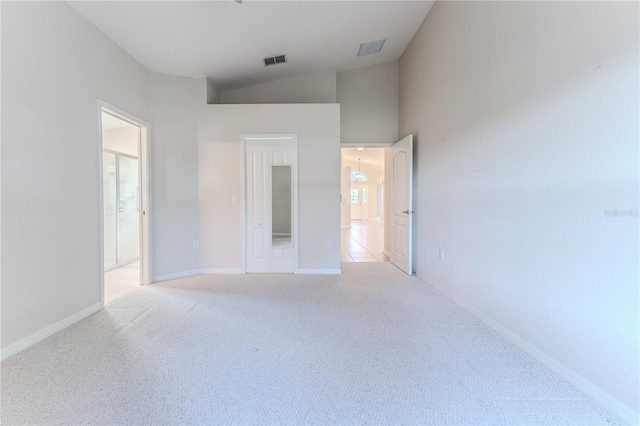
354,195
364,195
358,176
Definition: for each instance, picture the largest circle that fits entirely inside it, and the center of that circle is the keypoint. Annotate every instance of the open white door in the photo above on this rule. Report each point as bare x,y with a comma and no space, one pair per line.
401,190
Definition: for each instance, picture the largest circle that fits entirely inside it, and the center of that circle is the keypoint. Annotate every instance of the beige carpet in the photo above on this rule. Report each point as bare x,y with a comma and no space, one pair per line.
372,346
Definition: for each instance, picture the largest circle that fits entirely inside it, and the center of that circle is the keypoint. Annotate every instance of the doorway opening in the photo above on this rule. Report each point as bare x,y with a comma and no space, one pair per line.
363,205
123,183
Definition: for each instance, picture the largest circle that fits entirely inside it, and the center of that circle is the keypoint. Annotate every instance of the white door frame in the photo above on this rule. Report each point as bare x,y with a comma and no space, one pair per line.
264,136
145,196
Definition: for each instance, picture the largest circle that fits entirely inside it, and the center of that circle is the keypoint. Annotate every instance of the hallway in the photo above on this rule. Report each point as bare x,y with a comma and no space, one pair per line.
363,242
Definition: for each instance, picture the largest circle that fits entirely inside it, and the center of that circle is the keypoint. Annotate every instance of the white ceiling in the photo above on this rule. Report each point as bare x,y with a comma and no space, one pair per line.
109,122
226,41
371,156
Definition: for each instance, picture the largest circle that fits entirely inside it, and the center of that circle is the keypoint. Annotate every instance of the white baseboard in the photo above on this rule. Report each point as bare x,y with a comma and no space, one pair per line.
40,335
319,271
625,412
176,275
221,271
386,253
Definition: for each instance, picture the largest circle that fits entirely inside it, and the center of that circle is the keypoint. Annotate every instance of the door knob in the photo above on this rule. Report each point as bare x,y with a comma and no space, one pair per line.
407,211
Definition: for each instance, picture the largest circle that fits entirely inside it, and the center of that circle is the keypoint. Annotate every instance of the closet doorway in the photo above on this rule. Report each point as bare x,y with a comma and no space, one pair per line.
124,201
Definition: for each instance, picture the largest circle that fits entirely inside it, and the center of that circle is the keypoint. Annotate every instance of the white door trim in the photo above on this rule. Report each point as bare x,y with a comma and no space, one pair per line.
145,196
265,136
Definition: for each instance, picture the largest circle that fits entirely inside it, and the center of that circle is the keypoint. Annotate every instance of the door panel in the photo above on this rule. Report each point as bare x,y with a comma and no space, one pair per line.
356,205
109,181
270,227
364,206
128,210
258,223
401,204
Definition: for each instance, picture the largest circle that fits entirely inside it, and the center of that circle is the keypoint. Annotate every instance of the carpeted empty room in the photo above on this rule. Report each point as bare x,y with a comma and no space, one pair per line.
370,346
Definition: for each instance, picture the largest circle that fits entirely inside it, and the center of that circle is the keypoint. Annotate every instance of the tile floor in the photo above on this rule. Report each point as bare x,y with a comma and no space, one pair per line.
363,242
121,281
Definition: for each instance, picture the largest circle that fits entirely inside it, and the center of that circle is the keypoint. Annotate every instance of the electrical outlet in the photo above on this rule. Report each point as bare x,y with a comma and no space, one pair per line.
329,244
196,244
441,254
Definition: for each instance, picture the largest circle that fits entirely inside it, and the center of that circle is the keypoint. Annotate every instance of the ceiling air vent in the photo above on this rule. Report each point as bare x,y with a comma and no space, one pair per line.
371,47
275,60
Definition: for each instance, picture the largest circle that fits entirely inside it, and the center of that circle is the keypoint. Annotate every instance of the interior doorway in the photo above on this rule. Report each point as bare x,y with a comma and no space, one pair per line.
362,210
123,183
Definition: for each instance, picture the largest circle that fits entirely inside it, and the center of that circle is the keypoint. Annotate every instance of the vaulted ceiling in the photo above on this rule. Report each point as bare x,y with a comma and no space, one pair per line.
226,41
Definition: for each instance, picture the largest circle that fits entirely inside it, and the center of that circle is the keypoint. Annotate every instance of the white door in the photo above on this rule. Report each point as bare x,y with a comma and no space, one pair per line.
364,200
271,201
401,203
281,199
258,221
356,204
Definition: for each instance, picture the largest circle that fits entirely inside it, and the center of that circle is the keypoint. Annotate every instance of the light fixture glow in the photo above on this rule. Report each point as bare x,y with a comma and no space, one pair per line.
360,149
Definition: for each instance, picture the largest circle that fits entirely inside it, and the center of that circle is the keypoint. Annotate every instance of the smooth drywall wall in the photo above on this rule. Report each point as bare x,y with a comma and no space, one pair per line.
526,123
213,94
368,99
345,201
55,65
319,87
174,158
221,179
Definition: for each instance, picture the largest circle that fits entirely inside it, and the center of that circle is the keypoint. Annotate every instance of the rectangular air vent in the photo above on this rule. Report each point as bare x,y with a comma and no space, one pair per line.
275,60
371,47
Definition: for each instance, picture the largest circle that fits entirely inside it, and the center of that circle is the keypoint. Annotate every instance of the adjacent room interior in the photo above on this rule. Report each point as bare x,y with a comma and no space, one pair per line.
363,205
121,192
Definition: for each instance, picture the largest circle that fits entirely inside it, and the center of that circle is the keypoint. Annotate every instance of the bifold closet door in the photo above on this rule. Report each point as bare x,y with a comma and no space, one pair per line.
258,214
270,176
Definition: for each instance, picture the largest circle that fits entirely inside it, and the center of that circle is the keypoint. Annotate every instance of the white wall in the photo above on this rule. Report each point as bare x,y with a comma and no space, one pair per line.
319,87
174,161
212,92
526,118
55,65
221,178
368,99
345,204
122,139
